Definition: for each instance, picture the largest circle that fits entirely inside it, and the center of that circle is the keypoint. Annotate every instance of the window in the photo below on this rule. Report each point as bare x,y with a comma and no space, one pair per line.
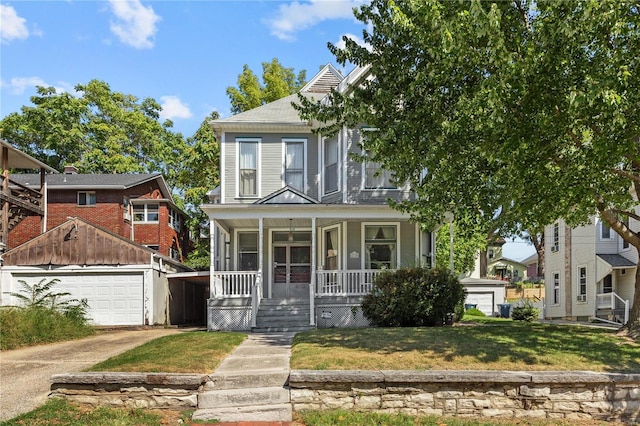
174,253
380,246
490,253
153,247
556,237
174,219
247,251
377,178
605,231
145,212
127,208
294,161
625,243
556,288
330,165
248,168
582,284
331,249
86,198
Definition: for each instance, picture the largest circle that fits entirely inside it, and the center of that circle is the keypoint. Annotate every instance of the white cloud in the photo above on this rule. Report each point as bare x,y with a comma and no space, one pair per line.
13,26
18,85
341,44
135,24
172,107
295,16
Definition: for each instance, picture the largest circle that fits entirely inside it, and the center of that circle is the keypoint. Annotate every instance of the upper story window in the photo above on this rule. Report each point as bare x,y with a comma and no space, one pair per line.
582,284
331,173
605,231
174,219
556,237
86,198
126,204
377,178
174,253
625,243
248,167
556,288
294,163
146,212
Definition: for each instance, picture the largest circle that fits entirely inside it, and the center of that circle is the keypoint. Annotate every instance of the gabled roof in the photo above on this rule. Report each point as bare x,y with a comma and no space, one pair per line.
119,181
280,115
287,195
531,259
78,242
503,259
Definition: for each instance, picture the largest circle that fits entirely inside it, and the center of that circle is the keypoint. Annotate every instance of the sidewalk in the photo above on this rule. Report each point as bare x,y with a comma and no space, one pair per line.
249,387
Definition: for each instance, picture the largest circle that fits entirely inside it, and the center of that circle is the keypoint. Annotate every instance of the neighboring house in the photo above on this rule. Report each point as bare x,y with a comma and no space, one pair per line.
124,283
531,263
499,267
298,225
138,207
485,293
589,272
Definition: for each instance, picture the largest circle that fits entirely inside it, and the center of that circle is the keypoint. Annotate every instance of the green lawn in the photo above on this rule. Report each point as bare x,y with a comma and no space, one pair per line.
496,345
194,352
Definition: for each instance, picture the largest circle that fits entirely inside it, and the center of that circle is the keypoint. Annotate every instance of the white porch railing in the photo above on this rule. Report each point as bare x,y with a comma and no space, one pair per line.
613,301
345,283
234,283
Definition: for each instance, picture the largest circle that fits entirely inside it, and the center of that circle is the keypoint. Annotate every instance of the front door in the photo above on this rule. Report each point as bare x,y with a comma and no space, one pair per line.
291,270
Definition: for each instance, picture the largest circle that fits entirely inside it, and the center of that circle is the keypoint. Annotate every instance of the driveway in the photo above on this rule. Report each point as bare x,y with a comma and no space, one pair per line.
25,373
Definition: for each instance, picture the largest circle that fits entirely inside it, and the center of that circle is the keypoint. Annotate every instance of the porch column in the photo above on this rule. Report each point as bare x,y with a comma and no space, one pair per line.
312,284
215,285
261,250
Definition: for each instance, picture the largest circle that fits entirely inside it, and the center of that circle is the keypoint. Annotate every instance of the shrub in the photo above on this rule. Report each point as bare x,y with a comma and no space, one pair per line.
414,297
525,312
474,312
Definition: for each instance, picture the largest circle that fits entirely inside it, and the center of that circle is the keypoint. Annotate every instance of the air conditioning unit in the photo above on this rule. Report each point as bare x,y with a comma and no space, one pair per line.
582,298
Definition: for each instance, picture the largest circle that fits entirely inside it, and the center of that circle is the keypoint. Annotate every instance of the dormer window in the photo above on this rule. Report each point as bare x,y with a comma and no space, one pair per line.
86,198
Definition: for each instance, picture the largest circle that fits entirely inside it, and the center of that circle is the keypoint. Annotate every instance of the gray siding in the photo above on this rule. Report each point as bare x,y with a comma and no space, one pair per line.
271,164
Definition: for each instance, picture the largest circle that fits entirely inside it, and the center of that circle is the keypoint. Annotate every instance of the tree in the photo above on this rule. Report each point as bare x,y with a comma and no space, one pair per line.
469,241
98,131
199,174
522,111
277,82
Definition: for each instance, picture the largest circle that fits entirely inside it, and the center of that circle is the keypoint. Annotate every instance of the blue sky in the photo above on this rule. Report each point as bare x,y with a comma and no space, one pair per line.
184,54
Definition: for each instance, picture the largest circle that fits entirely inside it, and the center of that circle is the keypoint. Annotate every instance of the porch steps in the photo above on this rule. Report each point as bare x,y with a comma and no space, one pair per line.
251,384
282,315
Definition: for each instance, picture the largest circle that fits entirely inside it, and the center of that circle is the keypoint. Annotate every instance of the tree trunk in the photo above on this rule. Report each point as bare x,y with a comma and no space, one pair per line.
483,263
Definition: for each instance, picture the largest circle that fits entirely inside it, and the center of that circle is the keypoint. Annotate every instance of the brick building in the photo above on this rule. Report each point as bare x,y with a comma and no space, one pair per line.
138,207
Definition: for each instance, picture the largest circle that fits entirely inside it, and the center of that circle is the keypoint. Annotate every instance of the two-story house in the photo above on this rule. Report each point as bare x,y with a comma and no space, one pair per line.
299,225
138,207
114,240
589,272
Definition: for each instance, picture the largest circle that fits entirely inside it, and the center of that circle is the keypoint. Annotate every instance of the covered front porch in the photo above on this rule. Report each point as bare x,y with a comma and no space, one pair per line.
615,288
311,262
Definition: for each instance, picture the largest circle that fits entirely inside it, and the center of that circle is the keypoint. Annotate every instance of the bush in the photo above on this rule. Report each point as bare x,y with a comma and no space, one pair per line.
414,297
526,312
474,312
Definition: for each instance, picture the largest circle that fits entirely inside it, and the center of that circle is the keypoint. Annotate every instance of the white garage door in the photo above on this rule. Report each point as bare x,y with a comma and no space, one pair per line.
483,300
114,299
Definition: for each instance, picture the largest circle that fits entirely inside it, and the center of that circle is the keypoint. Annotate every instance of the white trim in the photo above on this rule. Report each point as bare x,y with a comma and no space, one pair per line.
86,198
323,231
363,226
553,288
223,175
305,169
345,245
582,298
601,224
342,143
417,253
258,142
236,252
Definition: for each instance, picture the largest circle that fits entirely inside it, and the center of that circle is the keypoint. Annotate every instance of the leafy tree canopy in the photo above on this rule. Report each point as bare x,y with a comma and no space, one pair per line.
98,131
520,112
277,82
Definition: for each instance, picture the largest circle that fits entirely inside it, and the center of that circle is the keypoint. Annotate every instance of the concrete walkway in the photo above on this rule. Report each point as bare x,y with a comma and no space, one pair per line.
250,385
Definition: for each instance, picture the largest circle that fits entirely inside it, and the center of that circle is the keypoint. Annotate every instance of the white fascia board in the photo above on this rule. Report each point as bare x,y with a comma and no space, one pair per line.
302,211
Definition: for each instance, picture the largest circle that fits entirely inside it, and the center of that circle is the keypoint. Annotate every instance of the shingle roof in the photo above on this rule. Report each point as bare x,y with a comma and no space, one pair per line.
279,111
617,261
124,180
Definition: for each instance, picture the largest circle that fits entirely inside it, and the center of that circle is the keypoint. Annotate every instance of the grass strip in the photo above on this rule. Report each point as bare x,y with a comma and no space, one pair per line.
189,352
505,345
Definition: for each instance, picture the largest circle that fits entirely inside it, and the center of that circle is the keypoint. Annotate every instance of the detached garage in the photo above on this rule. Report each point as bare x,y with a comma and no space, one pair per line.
124,283
485,293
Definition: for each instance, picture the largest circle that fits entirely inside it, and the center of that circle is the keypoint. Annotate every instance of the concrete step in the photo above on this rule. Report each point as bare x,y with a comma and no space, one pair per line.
243,397
249,379
282,310
281,329
285,302
259,413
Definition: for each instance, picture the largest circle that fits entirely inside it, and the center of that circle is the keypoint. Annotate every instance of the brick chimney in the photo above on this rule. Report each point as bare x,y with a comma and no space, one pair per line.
70,170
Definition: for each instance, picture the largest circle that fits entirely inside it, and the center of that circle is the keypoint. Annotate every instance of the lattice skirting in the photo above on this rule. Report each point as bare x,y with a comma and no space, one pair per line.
229,318
340,316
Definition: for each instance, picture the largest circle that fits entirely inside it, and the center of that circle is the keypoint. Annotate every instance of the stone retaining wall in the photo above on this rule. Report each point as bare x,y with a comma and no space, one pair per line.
543,395
131,390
